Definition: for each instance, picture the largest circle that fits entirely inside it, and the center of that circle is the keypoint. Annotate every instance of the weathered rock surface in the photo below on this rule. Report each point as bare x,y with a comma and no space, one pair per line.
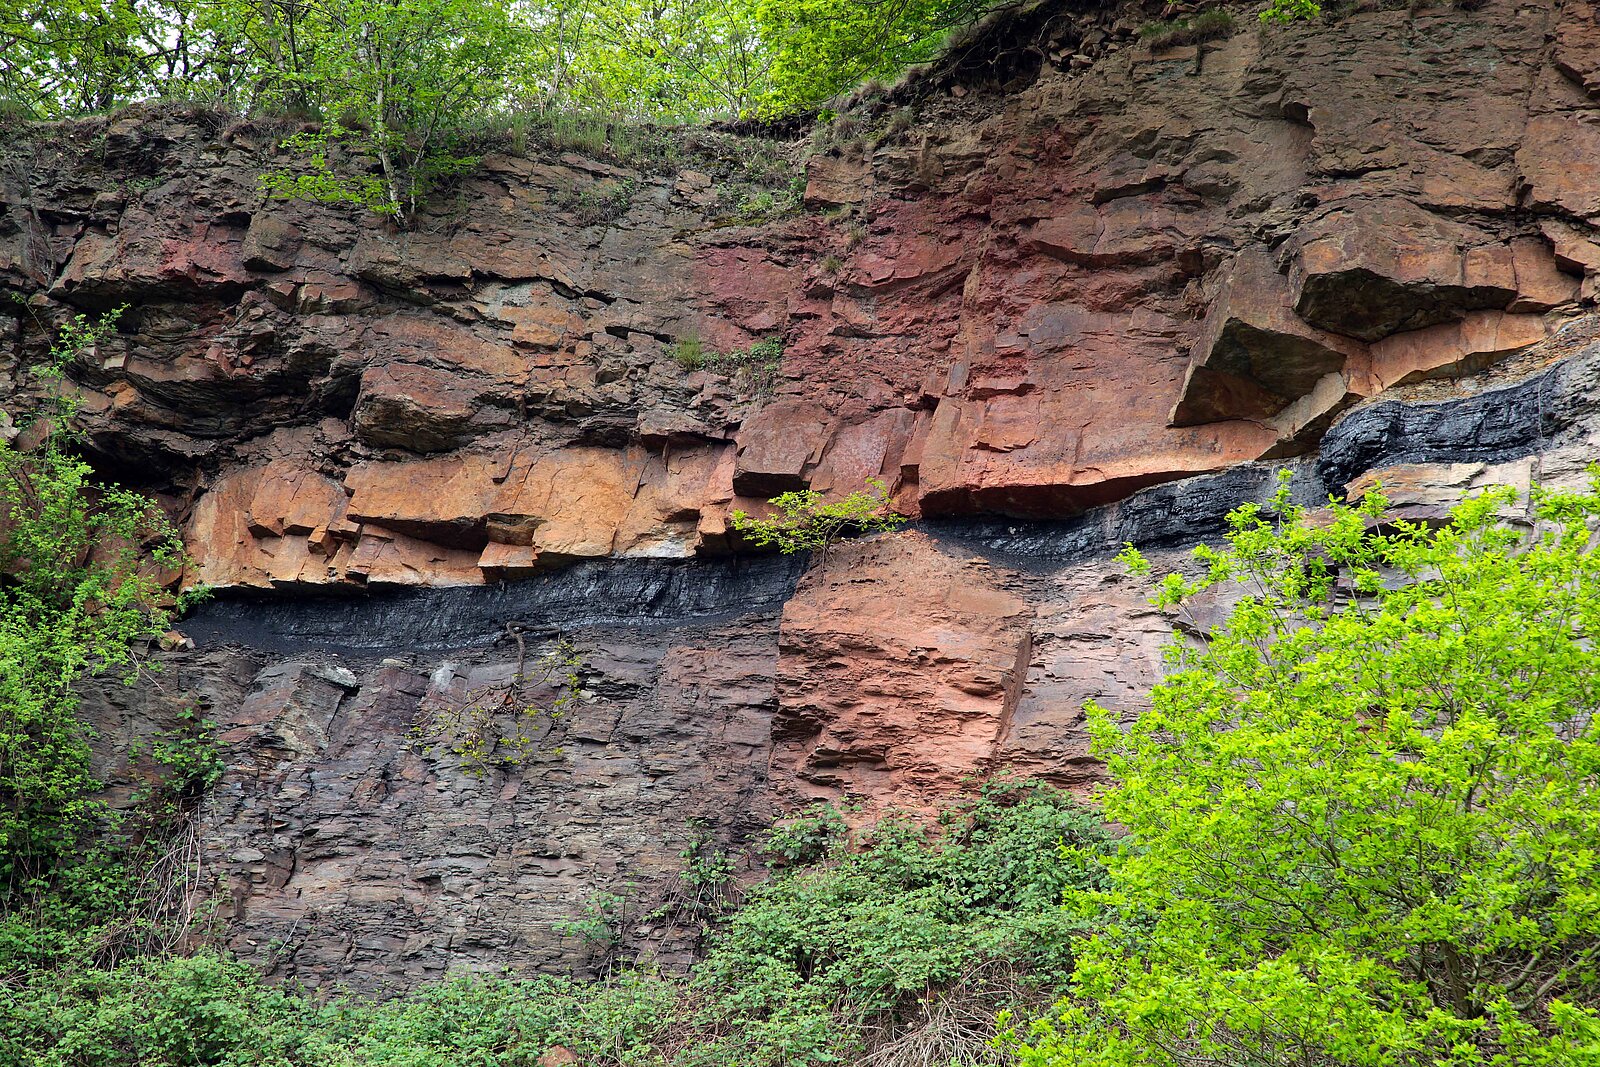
1152,267
1100,304
899,669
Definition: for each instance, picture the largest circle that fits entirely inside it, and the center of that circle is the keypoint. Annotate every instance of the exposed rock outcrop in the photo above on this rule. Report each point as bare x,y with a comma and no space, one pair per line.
1093,296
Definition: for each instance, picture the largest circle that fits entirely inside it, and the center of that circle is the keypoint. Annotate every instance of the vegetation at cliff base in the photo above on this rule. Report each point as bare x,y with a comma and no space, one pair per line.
898,943
1355,826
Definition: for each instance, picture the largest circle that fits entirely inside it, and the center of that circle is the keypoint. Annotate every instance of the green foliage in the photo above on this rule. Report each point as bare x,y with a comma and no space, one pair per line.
602,202
756,205
397,78
817,956
807,838
704,867
600,922
1284,11
819,964
317,180
1206,26
806,522
208,1010
75,598
171,1011
65,56
1362,814
824,48
675,60
705,888
398,81
754,370
83,565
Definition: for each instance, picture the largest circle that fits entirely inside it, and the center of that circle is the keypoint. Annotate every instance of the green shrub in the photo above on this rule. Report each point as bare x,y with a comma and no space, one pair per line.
82,563
1283,11
805,522
808,837
1362,811
208,1011
819,956
820,963
1206,26
177,1011
756,204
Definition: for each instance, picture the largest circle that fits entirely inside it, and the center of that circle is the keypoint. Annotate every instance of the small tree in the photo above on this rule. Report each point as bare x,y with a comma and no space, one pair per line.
806,522
498,724
1364,812
824,48
398,83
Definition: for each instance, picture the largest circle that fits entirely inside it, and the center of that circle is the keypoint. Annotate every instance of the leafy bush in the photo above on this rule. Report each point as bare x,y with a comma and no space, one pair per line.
173,1011
208,1010
808,837
1362,811
1284,11
84,565
819,964
912,909
806,522
397,83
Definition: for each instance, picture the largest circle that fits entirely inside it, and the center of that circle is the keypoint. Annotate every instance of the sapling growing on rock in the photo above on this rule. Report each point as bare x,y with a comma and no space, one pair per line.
806,522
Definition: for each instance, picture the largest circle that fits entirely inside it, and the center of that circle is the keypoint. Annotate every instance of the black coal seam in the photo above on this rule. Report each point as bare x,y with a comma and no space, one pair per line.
1492,426
640,593
1496,425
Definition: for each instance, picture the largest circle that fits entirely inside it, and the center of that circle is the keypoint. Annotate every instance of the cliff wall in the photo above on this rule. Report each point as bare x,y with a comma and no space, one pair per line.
1060,291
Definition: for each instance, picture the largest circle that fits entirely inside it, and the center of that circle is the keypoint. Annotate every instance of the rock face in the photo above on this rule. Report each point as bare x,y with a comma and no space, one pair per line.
1095,304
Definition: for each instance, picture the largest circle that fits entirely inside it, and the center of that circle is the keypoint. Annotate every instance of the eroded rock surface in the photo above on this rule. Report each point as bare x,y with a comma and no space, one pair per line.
1028,303
1103,302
